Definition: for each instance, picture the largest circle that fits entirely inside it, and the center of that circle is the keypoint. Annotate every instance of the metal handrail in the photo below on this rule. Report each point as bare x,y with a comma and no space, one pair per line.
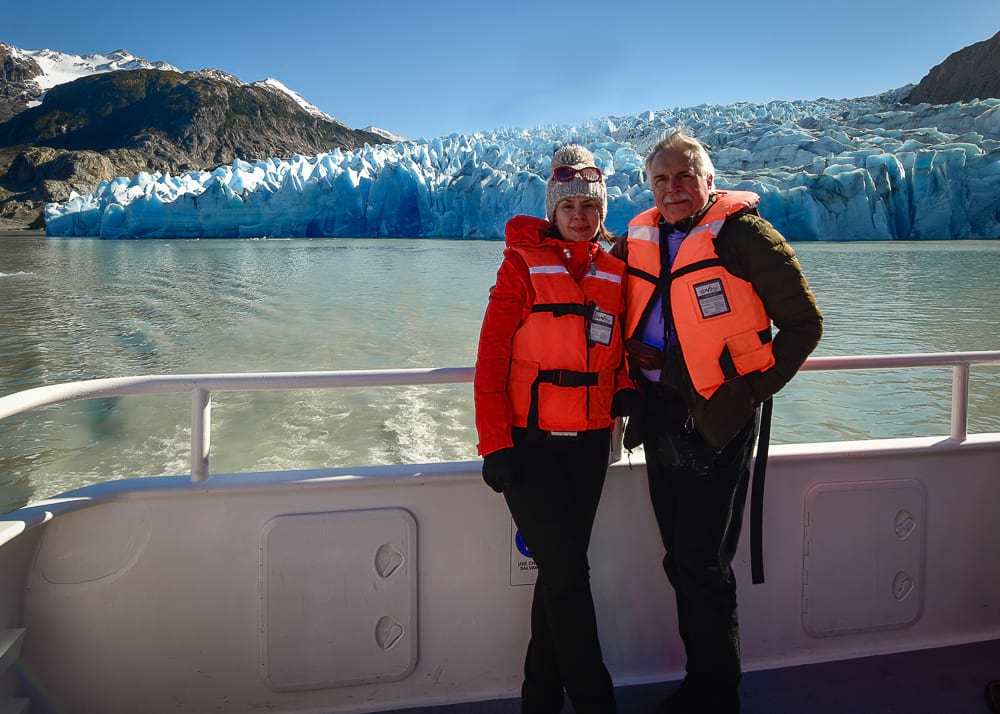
201,387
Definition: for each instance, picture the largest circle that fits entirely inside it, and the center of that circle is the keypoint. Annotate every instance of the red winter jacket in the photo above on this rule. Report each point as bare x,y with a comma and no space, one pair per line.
509,304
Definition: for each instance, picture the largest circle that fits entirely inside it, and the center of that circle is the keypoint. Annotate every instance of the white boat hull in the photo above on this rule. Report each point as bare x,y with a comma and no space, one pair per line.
355,590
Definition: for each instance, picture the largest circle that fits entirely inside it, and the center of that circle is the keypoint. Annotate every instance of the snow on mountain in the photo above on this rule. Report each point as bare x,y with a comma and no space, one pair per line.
384,133
218,74
273,84
61,67
861,169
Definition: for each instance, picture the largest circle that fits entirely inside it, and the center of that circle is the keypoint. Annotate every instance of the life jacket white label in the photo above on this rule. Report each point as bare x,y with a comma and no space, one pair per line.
711,297
602,326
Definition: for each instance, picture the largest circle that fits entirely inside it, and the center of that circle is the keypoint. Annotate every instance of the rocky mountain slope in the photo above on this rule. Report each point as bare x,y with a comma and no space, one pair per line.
25,75
18,87
971,73
67,122
176,119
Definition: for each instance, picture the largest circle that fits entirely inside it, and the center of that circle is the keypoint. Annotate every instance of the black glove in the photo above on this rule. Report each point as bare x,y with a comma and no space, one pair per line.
627,402
684,451
633,431
498,469
723,416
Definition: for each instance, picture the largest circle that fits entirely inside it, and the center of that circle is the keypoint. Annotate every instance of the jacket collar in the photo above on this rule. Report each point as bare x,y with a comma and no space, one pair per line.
531,232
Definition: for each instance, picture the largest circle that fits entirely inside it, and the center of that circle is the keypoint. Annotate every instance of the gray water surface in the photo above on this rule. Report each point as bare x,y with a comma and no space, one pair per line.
80,309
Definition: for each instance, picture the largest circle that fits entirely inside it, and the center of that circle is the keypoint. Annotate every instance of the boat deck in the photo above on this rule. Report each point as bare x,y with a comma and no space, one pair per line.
948,680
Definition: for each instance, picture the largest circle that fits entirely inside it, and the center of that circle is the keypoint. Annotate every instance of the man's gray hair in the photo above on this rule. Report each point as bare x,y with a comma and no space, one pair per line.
681,141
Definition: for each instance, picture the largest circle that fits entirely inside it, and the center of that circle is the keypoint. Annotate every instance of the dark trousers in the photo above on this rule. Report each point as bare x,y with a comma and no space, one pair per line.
698,498
553,500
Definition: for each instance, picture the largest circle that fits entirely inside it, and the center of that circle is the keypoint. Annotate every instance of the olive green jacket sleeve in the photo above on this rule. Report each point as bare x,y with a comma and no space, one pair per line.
752,249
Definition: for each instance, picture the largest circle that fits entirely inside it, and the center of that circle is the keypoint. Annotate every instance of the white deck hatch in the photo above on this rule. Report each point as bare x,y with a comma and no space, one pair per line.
347,613
863,556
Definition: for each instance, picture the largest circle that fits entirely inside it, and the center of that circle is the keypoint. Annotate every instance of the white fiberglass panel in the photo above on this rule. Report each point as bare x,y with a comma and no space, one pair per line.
863,556
339,598
78,548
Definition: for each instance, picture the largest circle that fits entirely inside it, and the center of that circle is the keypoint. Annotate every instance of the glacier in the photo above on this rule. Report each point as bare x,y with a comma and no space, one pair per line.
858,169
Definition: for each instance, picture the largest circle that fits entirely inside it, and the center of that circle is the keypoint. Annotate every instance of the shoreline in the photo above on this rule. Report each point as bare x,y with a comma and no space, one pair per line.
22,232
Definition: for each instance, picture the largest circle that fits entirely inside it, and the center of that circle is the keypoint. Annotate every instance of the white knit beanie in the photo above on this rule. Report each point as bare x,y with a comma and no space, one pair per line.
578,157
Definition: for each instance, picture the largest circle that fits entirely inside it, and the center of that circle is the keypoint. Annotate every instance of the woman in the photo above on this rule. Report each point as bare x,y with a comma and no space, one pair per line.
548,372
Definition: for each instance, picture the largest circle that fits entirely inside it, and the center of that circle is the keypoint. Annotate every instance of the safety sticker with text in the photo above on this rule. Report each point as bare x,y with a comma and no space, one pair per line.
601,326
711,298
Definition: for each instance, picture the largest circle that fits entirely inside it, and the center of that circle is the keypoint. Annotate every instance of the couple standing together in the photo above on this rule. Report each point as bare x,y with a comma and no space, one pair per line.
672,329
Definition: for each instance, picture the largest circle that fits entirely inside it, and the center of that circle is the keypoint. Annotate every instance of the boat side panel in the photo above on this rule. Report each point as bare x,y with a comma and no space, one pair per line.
15,562
188,608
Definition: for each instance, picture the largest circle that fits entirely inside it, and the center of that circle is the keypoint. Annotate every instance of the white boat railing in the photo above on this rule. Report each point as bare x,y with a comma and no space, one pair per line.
201,386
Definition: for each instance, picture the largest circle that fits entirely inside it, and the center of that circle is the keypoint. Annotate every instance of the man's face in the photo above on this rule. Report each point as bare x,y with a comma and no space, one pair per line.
679,192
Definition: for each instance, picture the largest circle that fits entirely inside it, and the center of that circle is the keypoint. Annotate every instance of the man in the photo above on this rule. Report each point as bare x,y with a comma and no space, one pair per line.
706,279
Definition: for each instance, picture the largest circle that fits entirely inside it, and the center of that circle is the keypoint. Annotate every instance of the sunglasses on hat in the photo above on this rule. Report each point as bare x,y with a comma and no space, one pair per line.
590,174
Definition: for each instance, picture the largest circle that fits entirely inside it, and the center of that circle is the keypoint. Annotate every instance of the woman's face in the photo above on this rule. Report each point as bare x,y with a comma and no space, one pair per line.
578,218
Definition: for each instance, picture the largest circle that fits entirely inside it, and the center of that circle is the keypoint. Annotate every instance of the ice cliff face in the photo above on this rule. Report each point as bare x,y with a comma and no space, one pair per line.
862,169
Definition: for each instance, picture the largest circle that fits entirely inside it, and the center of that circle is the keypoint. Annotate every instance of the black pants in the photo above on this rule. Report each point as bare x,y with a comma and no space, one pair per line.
553,501
699,511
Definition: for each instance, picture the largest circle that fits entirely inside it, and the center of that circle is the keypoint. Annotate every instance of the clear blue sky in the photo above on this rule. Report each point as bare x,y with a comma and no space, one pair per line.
436,67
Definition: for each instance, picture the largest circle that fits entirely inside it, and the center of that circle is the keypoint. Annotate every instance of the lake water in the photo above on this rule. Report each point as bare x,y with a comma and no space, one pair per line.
80,309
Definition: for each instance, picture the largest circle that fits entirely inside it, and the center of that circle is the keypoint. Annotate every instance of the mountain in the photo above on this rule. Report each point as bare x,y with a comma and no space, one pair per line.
273,84
177,119
70,121
385,134
18,84
25,75
971,73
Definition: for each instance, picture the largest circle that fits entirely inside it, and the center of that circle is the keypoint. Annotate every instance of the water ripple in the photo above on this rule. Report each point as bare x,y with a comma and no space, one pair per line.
87,309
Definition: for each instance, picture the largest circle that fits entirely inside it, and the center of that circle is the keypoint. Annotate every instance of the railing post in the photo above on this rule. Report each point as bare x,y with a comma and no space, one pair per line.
960,402
201,433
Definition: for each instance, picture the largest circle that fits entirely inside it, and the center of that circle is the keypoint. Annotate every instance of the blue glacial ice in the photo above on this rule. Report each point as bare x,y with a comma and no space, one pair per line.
860,169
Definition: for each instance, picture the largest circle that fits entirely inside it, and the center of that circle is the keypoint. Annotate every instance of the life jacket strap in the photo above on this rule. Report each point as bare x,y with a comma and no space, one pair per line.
568,378
727,365
561,378
691,268
642,275
561,309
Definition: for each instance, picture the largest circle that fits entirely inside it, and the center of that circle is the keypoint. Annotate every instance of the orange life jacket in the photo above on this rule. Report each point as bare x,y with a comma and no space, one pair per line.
720,321
566,353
